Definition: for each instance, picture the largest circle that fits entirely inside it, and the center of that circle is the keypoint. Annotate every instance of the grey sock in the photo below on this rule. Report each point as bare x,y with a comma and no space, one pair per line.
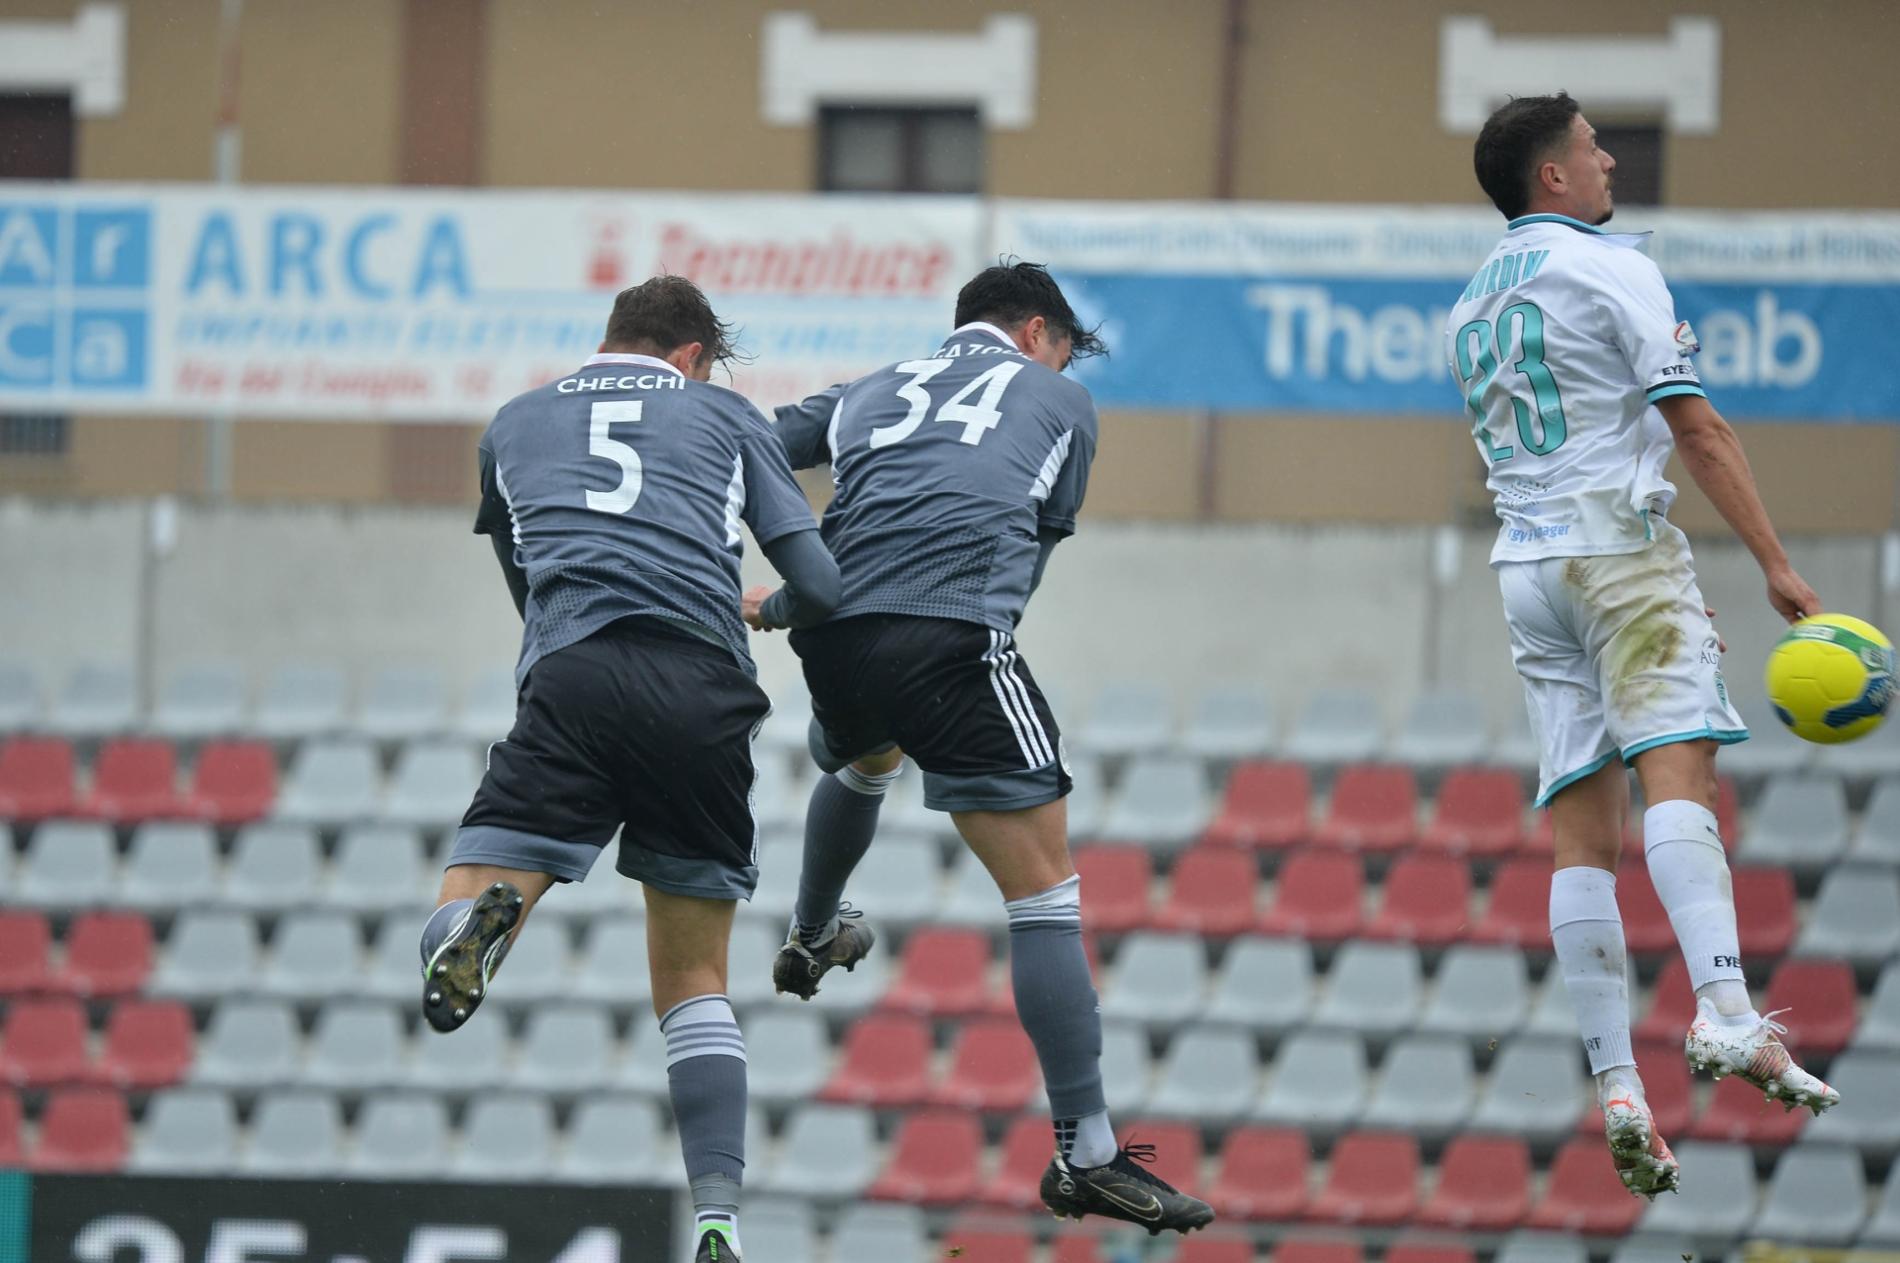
1056,1000
839,826
705,1074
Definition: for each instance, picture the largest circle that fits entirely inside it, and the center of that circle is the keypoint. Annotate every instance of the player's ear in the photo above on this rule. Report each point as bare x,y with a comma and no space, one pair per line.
685,357
1035,333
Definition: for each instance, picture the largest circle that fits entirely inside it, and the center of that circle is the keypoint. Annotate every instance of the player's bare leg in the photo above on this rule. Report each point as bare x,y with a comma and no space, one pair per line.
1586,930
705,1058
1691,874
826,933
478,914
1027,853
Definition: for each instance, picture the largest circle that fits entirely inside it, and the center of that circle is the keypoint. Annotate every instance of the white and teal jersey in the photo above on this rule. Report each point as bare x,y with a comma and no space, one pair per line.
1561,345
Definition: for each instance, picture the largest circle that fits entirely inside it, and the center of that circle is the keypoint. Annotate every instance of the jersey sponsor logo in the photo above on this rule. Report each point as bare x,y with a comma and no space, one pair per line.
1686,343
75,296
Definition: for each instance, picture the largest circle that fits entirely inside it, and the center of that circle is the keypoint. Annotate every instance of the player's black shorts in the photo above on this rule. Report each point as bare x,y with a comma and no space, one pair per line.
956,696
640,727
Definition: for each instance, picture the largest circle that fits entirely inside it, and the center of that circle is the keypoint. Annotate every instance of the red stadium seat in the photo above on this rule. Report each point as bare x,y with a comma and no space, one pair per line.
135,778
148,1044
886,1063
1728,818
1115,882
1428,1252
43,1044
1320,896
12,1127
1518,914
1268,806
1074,1248
1646,928
993,1068
1177,1152
1025,1152
81,1130
1212,893
1480,813
945,973
934,1160
1373,1180
980,1240
26,942
1541,842
1584,1193
1671,1009
1764,911
1201,1248
107,954
1262,1174
1373,809
234,782
1484,1185
1427,901
1819,1004
36,779
1666,1086
1317,1250
1736,1112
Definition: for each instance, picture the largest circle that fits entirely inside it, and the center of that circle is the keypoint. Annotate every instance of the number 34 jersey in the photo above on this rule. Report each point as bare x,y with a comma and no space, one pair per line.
623,485
946,468
1562,344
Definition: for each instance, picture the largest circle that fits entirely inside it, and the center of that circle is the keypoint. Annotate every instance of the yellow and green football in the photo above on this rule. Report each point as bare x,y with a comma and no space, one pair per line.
1831,678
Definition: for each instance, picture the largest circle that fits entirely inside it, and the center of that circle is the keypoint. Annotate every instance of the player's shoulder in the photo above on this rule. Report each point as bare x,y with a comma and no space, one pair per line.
726,403
1069,397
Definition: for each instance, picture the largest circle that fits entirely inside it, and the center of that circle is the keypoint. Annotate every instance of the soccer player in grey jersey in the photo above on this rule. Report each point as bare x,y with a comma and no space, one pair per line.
614,498
957,473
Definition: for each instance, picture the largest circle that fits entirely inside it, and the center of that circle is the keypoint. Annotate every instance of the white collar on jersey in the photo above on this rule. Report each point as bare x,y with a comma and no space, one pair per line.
616,357
984,326
1628,240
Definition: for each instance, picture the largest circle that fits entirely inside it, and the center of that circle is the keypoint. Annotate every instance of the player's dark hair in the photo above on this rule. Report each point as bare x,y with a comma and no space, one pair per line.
1515,141
1013,292
664,313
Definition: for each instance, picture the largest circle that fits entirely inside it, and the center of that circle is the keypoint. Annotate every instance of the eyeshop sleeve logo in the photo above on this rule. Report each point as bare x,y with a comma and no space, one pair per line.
75,286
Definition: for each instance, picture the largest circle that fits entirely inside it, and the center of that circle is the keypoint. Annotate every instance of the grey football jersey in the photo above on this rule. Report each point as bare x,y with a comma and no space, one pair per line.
946,468
624,484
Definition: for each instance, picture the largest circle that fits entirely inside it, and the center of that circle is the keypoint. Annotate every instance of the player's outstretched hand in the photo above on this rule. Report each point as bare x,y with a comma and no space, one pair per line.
750,606
1791,596
1721,645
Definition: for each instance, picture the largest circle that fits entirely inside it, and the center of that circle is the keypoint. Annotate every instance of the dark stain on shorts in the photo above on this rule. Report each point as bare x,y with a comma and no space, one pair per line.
1577,573
1643,652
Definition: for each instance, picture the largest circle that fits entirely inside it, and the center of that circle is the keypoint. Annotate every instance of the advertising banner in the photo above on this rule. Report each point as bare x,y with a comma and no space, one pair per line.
1342,309
392,303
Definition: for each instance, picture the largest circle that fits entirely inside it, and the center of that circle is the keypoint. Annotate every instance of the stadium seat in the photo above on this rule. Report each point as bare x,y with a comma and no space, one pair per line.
993,1067
1127,719
1115,885
1372,988
273,866
186,1132
786,730
1441,730
43,1044
945,973
1871,757
898,880
974,1237
294,1133
36,779
1209,1075
233,782
1178,1155
331,783
488,707
19,697
26,942
1484,1185
1336,726
1403,1251
1650,1248
432,784
505,1139
566,1049
781,1228
613,963
1372,1179
1319,897
799,1055
1267,806
401,703
1737,1112
1816,1196
399,1137
1771,750
934,1160
1298,1249
1855,916
1821,1002
778,799
82,1130
1764,910
1427,901
1088,801
380,868
1211,893
1263,1174
617,1140
1480,993
1263,984
148,1044
170,865
1022,1157
134,779
1527,1246
476,1058
1800,823
1671,1006
314,955
1318,1083
1126,1068
1880,1024
1157,980
1883,1228
1162,804
1202,1248
355,1046
98,701
1426,1086
1229,721
107,954
70,864
1552,1013
827,1151
1517,912
885,1063
1535,1090
1878,839
1646,928
210,953
880,1232
1717,1204
1584,1193
248,1044
202,700
1479,813
1373,809
1862,1075
1516,746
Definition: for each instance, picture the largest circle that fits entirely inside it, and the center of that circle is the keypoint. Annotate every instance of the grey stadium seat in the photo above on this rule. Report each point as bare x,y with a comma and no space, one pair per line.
1855,916
1210,1074
780,856
1771,750
488,707
539,966
465,1060
1816,1196
394,970
1126,1069
778,797
272,866
613,963
1425,1086
402,703
1228,722
1516,746
1088,800
1878,839
97,701
1126,719
795,1055
356,1045
202,700
781,1229
1163,803
1535,1090
1800,823
295,1134
171,864
1318,1083
1481,993
1863,1075
787,729
507,1139
1442,730
187,1131
69,864
1715,1206
1524,1246
616,1140
1873,756
1880,1020
897,881
248,1044
1337,726
604,892
19,697
1157,980
1552,1014
1264,984
1883,1229
210,953
331,783
642,1072
827,1151
301,700
380,867
749,953
970,897
880,1232
433,783
399,1136
565,1049
1372,988
904,811
1651,1249
314,955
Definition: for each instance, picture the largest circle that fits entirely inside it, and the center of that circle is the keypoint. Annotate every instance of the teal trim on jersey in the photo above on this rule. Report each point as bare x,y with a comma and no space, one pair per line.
1568,222
1721,737
1675,388
1571,778
1649,535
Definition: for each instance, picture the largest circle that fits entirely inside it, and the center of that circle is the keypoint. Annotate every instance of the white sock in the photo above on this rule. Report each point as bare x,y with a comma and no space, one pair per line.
1094,1143
1619,1081
1690,872
1587,930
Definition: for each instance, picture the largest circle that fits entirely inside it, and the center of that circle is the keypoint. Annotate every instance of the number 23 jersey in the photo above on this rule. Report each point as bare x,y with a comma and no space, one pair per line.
1561,345
946,468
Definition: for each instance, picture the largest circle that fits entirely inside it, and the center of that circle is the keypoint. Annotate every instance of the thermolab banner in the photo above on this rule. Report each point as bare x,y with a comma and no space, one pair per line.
1342,309
374,303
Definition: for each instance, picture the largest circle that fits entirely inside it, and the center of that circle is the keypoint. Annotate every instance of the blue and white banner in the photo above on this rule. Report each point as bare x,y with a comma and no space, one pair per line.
1338,309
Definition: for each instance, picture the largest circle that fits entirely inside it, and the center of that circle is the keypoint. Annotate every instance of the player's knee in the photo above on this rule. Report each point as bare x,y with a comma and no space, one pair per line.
879,762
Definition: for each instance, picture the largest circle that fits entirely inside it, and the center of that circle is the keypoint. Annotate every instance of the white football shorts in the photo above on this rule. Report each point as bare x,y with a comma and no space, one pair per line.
1617,655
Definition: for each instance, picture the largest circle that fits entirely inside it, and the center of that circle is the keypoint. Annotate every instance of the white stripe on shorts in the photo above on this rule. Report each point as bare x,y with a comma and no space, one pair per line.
995,658
1010,690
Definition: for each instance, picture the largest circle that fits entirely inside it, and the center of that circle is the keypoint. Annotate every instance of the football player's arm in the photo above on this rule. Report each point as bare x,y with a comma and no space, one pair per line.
812,583
1055,516
804,429
1047,537
493,519
780,518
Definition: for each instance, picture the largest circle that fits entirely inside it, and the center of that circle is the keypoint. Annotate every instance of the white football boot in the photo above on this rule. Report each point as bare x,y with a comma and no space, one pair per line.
1755,1054
1642,1159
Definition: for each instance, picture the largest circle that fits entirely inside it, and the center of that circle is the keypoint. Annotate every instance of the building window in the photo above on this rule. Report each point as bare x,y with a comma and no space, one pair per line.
879,150
1638,150
35,434
36,136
